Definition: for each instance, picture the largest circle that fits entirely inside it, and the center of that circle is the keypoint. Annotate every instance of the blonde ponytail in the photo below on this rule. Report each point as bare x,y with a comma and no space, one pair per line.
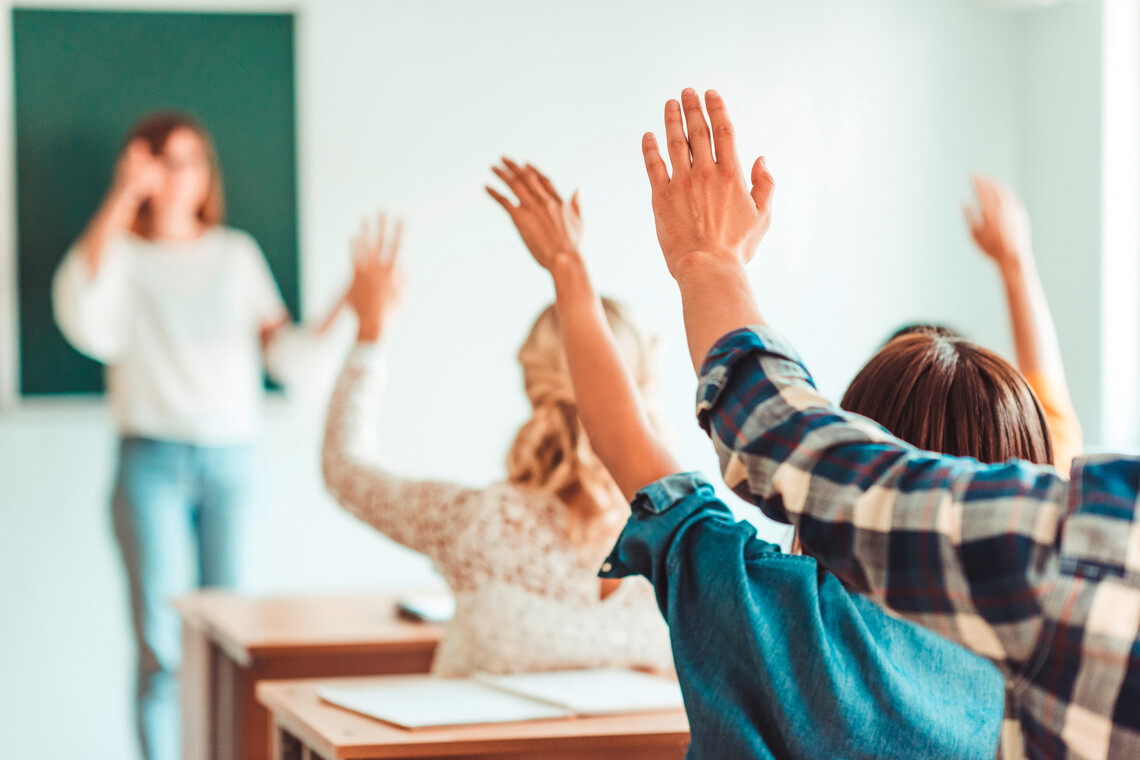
551,451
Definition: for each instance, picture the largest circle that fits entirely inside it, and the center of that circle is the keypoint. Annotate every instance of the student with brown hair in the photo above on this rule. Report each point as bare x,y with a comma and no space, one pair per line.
1034,572
999,225
184,313
775,657
944,393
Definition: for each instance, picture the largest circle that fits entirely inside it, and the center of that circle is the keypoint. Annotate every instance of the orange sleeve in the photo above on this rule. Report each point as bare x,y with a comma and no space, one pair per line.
1068,440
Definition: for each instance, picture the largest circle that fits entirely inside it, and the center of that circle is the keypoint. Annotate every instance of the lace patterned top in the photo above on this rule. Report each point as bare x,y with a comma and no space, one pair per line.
526,599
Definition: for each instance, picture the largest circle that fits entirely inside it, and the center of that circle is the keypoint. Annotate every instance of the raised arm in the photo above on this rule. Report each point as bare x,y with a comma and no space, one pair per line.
136,176
89,291
962,548
608,401
429,517
1000,227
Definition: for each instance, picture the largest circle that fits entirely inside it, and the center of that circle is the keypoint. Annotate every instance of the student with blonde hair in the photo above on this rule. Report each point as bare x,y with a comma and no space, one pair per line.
521,556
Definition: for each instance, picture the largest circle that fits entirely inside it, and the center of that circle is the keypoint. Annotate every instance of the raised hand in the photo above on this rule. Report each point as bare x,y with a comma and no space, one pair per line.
377,281
549,226
138,172
999,223
706,206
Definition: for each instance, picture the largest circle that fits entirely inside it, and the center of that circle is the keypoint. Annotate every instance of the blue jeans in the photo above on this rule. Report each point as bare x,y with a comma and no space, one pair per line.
778,661
178,513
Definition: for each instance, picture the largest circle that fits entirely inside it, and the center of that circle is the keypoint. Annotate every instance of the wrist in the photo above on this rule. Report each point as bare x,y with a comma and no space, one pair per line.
703,265
369,331
1017,266
567,266
126,199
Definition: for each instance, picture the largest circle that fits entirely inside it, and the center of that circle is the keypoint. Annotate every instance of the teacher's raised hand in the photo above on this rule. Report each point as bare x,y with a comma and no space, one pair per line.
709,219
706,208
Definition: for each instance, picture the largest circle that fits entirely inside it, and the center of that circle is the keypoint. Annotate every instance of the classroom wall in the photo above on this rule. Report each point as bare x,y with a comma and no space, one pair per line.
1060,161
871,113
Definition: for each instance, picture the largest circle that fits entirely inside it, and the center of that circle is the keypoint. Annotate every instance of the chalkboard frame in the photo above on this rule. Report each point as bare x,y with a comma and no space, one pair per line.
234,71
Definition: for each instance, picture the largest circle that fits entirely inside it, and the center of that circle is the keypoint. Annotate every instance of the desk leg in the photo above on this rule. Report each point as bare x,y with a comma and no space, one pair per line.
240,721
197,690
285,746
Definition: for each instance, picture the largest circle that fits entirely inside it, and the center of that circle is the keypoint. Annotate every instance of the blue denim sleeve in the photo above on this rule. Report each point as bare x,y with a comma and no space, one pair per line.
777,659
661,512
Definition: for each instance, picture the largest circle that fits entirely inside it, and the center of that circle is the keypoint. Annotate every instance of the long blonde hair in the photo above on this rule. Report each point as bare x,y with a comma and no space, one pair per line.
551,452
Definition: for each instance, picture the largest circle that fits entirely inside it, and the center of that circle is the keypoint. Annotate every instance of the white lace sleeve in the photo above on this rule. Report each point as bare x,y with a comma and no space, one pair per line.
430,517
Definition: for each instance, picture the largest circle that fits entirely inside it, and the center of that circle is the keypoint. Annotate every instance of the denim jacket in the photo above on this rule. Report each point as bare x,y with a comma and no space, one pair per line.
776,659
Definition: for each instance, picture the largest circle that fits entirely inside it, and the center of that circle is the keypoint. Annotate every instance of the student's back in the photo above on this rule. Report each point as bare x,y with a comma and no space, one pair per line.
521,556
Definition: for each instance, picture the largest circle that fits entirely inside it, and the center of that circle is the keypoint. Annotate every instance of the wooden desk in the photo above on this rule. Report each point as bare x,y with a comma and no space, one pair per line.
232,641
306,728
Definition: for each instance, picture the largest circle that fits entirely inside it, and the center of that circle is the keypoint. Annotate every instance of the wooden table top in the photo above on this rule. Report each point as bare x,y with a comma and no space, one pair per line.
246,627
336,733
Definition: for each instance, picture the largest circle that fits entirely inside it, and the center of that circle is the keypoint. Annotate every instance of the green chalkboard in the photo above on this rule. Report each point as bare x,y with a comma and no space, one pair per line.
81,79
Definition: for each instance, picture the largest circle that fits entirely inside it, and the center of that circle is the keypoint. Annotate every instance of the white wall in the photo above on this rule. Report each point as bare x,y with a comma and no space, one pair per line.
1060,157
871,113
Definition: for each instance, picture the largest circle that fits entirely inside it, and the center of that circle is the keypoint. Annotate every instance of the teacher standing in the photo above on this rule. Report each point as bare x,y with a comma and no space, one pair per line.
185,313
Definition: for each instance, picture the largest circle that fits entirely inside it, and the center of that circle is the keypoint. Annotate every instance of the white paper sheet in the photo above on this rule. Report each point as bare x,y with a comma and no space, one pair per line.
602,691
426,701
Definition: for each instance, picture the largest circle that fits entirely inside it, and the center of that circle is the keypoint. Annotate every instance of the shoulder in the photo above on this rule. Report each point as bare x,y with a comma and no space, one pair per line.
233,239
241,250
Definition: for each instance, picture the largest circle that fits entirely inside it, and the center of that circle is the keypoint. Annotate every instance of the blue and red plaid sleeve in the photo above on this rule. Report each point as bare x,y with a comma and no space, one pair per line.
884,516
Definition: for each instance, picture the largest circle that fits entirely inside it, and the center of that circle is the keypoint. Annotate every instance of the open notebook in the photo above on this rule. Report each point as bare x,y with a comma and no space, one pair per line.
427,701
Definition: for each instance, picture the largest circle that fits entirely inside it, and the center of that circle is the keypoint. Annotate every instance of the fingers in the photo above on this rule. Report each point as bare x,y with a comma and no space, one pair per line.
546,184
139,147
517,181
502,199
393,251
574,203
973,219
381,230
534,184
988,199
654,165
700,142
723,133
675,140
763,185
370,247
359,246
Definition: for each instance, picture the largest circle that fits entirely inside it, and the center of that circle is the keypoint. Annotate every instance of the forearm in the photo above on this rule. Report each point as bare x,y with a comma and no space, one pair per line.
1035,337
115,216
716,299
405,510
609,403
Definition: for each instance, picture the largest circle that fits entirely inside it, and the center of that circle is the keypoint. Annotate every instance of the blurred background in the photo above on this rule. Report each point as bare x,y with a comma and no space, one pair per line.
872,114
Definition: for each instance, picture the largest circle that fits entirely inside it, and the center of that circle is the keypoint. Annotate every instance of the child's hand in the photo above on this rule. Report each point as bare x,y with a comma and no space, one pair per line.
550,226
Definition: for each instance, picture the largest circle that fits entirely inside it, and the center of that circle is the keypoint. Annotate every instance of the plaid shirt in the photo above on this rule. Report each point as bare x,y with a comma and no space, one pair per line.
1038,574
